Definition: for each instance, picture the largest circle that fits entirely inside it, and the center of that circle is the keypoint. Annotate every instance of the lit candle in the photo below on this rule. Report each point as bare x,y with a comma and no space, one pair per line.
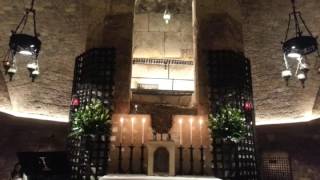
121,127
200,126
132,124
191,121
143,122
180,131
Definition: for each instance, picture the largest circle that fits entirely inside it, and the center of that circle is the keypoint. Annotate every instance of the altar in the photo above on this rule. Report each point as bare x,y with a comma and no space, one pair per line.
145,177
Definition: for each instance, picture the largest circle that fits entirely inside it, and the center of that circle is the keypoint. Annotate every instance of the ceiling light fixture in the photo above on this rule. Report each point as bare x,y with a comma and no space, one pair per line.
297,47
167,15
24,44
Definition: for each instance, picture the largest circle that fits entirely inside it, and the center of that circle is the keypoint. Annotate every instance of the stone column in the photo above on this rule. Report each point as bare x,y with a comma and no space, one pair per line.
217,26
116,31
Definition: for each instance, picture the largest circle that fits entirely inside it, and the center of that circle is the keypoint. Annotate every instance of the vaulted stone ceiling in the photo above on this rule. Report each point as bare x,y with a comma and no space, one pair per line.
63,25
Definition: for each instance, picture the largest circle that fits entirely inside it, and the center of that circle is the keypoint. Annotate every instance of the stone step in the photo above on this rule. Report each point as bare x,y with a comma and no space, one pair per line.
145,177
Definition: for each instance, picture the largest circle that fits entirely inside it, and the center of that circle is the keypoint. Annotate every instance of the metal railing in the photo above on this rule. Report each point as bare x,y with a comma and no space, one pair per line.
167,84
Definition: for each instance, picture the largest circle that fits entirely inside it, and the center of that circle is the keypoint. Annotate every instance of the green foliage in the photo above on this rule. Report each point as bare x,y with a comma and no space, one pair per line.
228,124
93,118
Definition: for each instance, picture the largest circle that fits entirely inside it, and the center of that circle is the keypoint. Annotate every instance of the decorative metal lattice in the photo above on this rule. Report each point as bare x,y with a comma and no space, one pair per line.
276,166
93,79
230,83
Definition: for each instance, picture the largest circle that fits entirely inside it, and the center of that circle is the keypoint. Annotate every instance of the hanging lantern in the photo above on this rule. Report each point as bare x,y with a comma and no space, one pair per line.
297,48
248,106
25,44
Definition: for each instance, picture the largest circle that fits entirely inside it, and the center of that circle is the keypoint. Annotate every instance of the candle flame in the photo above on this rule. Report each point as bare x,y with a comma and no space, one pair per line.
200,121
180,121
132,120
121,120
143,120
191,120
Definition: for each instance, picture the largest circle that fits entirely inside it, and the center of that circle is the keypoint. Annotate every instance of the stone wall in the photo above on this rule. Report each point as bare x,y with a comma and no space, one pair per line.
153,38
5,103
300,142
19,134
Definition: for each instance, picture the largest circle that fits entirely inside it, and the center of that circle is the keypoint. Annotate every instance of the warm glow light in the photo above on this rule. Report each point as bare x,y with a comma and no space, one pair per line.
200,131
163,84
121,120
286,73
301,76
180,121
12,70
191,120
35,72
142,137
35,116
306,118
32,66
24,52
294,55
166,16
132,127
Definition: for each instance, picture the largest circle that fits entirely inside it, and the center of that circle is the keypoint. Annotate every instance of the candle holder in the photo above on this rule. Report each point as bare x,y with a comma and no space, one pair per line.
180,159
142,159
131,159
201,160
191,159
120,170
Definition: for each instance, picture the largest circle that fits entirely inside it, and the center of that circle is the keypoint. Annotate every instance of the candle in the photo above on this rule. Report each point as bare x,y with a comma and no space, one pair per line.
200,126
143,122
180,131
121,127
132,124
191,121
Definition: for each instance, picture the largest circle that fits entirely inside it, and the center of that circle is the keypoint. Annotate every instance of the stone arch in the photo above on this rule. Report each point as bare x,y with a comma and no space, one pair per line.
161,160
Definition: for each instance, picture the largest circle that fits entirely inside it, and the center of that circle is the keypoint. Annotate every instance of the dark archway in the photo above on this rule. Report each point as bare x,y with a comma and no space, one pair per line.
161,161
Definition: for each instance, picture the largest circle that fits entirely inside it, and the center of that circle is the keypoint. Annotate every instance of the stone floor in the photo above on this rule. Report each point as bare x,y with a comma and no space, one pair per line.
143,177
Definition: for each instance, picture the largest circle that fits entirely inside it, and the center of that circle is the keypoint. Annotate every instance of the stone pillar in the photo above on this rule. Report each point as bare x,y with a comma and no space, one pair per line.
217,26
116,31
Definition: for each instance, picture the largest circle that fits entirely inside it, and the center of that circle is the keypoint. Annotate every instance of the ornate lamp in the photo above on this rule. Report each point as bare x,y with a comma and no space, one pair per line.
297,48
166,16
24,44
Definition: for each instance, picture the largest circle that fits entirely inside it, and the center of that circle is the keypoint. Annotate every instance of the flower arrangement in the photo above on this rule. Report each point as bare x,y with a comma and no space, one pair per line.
93,118
228,124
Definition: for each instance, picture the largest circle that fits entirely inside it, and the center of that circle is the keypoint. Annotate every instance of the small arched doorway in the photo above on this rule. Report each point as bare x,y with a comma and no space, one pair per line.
161,161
